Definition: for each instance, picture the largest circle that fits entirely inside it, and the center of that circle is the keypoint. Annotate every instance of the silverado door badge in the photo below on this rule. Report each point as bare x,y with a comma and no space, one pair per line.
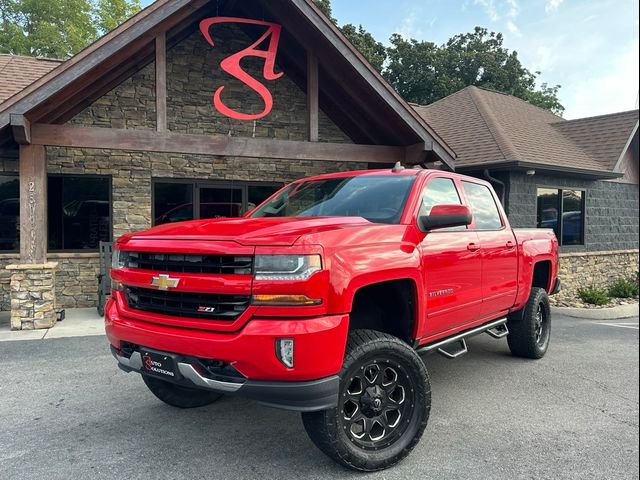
164,282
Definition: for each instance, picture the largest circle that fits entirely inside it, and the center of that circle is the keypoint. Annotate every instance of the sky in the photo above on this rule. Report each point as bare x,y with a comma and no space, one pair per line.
589,47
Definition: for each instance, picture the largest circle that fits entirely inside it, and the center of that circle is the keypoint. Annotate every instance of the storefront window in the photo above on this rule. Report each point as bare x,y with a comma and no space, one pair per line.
9,213
178,201
564,212
173,202
79,212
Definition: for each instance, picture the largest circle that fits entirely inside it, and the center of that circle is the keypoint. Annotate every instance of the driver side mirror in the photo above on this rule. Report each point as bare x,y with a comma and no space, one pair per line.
445,216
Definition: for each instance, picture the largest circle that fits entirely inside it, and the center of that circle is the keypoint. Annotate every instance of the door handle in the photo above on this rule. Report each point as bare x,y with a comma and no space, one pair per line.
472,247
510,245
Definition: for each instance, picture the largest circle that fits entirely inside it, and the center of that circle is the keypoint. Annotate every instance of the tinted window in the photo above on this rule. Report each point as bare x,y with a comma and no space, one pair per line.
549,209
563,211
79,212
172,202
9,213
379,199
220,202
439,191
572,217
483,206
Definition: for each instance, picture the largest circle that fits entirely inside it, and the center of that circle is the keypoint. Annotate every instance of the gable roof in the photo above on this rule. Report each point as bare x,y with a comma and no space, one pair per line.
17,72
344,67
489,128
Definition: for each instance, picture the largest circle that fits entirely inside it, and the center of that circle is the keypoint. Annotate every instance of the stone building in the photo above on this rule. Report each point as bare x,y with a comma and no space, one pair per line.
126,135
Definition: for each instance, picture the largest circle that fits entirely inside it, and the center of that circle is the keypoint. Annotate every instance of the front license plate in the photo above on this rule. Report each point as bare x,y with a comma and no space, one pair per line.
159,364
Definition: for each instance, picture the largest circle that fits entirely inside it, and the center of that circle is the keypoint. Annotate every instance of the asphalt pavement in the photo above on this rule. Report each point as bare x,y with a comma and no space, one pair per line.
67,412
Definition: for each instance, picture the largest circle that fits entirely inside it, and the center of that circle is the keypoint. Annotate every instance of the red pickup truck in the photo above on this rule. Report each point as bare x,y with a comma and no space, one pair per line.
324,298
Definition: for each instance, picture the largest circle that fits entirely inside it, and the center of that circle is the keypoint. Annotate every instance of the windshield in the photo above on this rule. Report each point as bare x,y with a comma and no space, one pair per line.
379,199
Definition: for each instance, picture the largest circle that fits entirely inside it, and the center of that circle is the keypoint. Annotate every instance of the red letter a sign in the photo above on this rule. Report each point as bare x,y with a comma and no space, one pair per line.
231,65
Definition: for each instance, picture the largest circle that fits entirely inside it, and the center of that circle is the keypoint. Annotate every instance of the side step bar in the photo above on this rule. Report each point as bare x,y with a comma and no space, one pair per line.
496,328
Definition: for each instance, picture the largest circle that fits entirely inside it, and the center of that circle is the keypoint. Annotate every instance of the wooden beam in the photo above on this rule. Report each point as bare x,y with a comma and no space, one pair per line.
419,154
313,102
21,128
33,204
161,83
222,145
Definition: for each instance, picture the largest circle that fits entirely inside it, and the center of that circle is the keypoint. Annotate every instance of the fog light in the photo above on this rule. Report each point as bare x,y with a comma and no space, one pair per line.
284,351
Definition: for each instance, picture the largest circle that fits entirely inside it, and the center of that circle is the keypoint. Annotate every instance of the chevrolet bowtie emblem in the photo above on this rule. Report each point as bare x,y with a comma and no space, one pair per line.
165,282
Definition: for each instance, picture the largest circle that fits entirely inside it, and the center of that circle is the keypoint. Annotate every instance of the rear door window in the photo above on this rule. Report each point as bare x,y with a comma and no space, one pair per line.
483,206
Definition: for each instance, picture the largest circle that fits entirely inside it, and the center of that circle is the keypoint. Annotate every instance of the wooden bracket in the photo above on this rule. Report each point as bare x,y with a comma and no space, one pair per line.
21,128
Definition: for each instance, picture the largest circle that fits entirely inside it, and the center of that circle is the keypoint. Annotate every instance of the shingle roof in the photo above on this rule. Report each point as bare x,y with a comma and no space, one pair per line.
602,137
484,127
18,72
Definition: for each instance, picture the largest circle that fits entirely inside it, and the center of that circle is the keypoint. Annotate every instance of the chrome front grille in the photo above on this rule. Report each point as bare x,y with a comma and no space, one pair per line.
188,263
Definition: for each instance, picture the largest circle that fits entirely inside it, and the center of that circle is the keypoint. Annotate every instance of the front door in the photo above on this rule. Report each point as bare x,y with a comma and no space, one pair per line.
451,265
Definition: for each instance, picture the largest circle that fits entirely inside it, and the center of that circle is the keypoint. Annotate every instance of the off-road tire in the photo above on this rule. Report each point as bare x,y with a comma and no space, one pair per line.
179,396
525,338
332,433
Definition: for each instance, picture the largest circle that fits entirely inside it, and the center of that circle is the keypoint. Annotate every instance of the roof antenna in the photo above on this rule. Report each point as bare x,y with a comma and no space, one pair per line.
397,167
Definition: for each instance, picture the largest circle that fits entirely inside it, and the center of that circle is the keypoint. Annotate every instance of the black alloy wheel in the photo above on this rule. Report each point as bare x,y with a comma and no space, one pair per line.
530,328
383,407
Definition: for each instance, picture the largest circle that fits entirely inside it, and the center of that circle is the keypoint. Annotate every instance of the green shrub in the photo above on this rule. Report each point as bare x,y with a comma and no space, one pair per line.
624,288
593,295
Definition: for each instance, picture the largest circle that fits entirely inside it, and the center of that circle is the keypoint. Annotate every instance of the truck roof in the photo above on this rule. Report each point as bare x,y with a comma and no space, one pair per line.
390,173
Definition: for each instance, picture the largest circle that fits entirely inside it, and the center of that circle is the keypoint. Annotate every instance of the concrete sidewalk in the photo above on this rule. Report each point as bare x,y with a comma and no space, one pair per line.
81,322
611,313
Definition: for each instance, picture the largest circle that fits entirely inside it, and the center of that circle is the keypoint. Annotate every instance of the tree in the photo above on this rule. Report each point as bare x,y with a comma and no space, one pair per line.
58,28
373,50
111,13
325,7
423,72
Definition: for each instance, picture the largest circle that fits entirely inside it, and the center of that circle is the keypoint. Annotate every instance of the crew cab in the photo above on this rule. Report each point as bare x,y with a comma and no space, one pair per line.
326,298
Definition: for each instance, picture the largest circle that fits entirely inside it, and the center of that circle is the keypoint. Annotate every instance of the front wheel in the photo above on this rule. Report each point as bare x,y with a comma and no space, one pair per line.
530,328
383,407
178,396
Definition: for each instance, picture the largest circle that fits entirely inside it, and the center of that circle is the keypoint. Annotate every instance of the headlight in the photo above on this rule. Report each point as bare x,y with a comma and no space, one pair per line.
118,259
287,267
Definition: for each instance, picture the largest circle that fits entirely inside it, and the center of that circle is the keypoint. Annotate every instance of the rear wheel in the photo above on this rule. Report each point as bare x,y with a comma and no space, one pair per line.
383,408
530,329
179,396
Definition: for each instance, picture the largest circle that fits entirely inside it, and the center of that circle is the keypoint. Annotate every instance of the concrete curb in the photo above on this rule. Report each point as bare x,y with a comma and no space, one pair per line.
612,313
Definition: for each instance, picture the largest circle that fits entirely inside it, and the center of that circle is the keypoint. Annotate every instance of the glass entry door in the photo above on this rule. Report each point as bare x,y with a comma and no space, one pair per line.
220,202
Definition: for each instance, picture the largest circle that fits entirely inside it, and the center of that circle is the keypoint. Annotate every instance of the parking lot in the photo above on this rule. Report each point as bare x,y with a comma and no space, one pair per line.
66,411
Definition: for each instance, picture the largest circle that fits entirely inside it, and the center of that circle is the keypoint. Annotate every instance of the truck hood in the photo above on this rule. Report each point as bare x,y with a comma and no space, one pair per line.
250,231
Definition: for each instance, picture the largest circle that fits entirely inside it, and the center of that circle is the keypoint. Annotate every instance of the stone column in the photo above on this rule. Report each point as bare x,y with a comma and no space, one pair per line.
33,296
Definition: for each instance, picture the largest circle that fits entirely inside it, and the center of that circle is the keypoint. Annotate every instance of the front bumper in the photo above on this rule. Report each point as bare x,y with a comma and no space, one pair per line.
311,385
308,396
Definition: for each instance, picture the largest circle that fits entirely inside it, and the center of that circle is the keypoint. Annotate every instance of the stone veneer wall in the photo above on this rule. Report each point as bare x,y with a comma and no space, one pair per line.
595,269
193,75
33,296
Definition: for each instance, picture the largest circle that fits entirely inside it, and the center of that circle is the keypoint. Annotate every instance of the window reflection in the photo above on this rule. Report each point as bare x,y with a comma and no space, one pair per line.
79,212
563,211
9,213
